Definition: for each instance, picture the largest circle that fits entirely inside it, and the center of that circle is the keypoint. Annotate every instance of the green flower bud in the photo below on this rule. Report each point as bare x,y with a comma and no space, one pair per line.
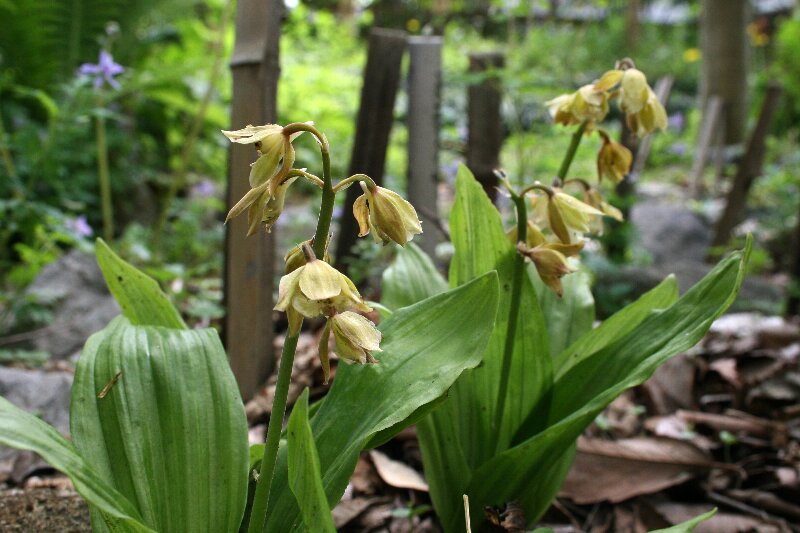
551,262
584,104
265,199
387,215
613,161
317,288
355,336
295,258
651,117
633,91
569,218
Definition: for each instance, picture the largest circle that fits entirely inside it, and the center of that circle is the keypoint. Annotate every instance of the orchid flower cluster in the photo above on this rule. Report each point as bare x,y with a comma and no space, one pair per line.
556,230
311,287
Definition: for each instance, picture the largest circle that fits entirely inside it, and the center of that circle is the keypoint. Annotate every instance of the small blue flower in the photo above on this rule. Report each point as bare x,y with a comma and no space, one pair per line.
103,71
79,226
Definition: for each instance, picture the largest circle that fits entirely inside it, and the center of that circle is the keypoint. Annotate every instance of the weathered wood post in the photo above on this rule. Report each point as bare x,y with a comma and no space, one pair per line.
249,262
485,137
374,123
723,43
712,118
793,300
424,80
748,170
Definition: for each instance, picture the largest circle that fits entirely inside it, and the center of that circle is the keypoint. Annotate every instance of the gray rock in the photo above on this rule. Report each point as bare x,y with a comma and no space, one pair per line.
82,304
671,232
45,394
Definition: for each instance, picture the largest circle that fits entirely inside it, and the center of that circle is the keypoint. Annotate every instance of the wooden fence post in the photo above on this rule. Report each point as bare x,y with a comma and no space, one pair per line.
748,170
485,137
249,261
793,300
424,79
712,116
374,123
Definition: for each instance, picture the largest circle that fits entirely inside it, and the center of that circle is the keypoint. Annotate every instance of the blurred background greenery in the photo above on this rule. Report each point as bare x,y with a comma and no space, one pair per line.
167,160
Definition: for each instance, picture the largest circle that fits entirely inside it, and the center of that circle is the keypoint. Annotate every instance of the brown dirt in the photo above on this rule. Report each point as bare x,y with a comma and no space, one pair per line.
42,510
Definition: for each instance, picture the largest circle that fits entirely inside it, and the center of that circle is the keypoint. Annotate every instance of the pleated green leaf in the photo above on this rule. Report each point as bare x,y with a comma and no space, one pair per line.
569,316
410,278
463,433
617,326
170,432
22,430
305,479
589,386
141,299
426,346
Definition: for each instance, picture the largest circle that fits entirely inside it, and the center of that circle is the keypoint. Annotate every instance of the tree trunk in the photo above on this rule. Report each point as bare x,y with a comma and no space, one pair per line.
723,44
374,123
749,169
424,78
248,287
485,136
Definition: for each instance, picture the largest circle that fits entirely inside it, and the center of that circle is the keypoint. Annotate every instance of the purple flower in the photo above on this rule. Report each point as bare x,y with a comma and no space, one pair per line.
678,148
676,121
79,226
103,71
204,189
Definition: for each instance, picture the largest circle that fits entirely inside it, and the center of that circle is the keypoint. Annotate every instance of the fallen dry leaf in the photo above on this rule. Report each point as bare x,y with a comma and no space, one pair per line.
721,522
346,510
671,386
397,474
617,470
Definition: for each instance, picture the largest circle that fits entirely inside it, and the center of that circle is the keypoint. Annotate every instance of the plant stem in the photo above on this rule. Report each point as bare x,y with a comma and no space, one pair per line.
258,514
102,172
513,312
326,207
573,147
345,183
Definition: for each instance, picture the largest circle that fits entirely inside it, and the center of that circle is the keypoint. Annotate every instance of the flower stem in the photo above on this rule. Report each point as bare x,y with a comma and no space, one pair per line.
102,172
326,207
345,183
258,513
573,147
513,312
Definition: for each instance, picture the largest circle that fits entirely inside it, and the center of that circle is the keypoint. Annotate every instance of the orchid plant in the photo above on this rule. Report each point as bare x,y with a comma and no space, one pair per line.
501,371
159,434
505,435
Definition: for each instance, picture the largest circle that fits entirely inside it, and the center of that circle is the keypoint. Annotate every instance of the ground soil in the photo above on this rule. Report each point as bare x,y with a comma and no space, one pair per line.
43,510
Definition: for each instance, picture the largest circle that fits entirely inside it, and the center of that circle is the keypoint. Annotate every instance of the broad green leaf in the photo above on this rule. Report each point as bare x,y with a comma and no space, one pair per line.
617,326
464,432
304,475
24,431
141,299
170,433
256,454
584,391
410,278
569,316
689,525
426,346
386,435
